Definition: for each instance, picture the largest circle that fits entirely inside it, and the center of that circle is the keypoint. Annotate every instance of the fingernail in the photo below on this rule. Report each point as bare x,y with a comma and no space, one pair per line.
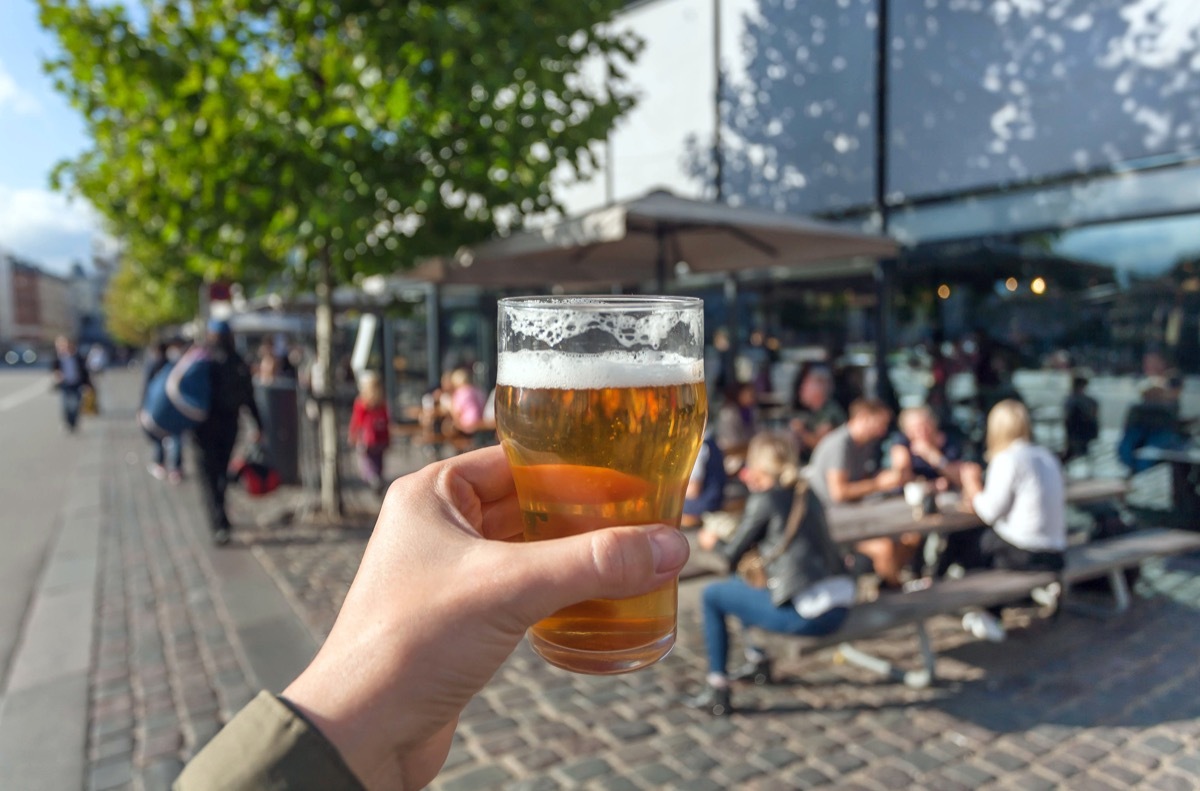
669,549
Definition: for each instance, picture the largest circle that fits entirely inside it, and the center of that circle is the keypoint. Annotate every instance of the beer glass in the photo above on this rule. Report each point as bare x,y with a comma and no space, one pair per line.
600,406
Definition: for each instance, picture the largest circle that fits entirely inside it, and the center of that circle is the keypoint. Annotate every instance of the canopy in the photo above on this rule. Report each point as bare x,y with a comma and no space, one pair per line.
644,238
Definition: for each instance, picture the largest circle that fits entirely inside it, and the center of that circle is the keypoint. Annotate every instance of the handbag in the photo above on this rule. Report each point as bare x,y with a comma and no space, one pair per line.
752,566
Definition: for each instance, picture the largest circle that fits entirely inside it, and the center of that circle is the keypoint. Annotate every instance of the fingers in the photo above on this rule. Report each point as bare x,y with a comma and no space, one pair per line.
502,519
486,471
615,563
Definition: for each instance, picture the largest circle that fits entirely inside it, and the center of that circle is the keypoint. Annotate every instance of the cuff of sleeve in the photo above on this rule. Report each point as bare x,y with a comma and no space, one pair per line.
268,745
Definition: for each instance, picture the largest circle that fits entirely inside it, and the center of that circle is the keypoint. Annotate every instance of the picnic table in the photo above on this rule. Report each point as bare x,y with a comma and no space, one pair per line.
1185,462
892,516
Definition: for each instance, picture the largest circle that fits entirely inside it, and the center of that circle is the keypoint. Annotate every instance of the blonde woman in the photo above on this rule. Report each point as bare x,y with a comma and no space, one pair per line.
1022,500
808,591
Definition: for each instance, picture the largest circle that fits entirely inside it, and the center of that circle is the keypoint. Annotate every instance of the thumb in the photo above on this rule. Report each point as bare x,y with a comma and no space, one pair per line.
614,563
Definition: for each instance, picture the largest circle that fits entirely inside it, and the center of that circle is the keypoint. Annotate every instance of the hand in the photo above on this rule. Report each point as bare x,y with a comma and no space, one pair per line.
256,436
436,607
707,539
888,480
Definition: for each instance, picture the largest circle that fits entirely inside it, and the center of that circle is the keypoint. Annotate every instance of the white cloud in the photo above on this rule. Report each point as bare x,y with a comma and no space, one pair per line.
48,228
15,99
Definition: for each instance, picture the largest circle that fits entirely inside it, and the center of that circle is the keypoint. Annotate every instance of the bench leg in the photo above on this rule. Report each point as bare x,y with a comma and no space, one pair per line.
1121,599
917,679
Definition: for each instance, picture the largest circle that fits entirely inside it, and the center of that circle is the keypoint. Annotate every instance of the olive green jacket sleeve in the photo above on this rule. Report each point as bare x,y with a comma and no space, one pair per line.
267,746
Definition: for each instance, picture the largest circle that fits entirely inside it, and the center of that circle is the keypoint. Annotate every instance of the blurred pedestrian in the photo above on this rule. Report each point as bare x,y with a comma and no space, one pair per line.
71,378
736,423
923,451
370,430
232,390
167,452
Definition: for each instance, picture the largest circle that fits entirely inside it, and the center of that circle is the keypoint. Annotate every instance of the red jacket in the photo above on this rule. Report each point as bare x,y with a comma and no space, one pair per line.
370,426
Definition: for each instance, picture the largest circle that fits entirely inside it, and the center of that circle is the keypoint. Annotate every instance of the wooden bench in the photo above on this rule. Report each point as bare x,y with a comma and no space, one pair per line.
988,589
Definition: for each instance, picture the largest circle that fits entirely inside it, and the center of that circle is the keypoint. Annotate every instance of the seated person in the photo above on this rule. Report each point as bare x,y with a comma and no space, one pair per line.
1151,423
808,591
735,424
1081,415
466,404
817,413
706,486
1024,502
842,470
922,451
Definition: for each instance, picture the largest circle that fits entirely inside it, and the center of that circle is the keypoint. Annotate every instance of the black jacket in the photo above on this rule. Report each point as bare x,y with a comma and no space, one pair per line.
232,388
809,558
85,377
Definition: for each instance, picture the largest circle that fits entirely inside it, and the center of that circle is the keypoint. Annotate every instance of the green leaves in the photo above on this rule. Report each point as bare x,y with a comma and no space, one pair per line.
231,135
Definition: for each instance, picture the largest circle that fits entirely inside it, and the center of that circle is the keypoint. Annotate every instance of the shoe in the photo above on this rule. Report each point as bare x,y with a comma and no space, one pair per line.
221,537
757,671
157,471
984,626
1047,596
713,700
175,476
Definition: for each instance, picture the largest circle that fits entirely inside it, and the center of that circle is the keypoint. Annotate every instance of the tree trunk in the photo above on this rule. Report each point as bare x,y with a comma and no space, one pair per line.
331,480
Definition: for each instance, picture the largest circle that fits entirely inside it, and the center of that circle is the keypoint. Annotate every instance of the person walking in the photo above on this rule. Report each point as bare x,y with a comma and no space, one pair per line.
70,378
168,450
216,435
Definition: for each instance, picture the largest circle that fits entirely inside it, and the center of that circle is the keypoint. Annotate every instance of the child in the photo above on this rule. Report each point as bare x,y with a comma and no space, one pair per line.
808,590
370,430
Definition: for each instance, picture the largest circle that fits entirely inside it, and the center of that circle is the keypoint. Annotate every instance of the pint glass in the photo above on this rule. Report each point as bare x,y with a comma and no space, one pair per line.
600,406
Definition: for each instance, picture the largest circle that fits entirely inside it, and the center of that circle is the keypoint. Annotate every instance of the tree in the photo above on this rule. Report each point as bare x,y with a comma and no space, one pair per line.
139,302
333,137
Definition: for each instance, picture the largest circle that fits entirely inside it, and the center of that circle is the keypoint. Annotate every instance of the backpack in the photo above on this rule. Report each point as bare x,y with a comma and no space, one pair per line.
251,469
179,396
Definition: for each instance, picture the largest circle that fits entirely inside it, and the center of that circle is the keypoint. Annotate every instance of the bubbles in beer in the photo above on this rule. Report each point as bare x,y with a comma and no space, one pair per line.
625,323
551,370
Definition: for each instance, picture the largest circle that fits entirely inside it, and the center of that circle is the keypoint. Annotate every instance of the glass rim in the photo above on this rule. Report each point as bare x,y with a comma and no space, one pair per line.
600,303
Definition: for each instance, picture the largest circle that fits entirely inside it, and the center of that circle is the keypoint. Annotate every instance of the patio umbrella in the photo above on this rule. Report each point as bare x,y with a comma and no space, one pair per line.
643,238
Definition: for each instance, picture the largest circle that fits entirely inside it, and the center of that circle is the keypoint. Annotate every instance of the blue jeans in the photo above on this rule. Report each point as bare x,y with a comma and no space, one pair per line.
172,445
71,397
753,607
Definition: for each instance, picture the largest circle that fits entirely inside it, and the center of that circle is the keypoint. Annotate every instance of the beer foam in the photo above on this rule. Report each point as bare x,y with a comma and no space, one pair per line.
634,322
551,370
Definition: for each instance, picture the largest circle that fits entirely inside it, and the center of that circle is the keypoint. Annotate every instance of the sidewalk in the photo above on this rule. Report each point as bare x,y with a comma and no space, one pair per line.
184,634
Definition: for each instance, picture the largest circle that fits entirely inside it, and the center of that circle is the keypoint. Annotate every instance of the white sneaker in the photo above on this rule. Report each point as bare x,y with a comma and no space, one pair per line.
1048,595
984,626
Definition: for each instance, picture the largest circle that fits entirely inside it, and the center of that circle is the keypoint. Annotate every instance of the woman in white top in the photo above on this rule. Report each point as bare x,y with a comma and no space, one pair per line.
1022,500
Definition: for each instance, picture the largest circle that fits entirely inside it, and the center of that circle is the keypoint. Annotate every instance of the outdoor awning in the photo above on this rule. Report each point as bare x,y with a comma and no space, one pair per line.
646,238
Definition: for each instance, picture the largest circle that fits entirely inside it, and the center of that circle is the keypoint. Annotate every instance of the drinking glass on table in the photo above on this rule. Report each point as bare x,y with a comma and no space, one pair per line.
600,407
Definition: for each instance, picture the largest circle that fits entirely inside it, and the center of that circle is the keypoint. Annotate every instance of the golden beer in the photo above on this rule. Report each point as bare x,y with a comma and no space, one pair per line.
585,458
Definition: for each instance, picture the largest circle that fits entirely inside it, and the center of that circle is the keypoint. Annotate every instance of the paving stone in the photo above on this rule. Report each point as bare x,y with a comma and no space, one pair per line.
110,774
1162,745
778,757
1189,764
484,777
1169,781
1006,762
616,784
159,774
656,774
586,770
736,774
628,731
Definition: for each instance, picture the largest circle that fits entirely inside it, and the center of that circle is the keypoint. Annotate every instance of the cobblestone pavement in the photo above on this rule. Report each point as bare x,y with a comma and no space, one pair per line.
1074,703
167,669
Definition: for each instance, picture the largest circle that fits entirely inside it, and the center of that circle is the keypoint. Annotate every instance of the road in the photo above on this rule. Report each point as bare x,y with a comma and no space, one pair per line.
36,461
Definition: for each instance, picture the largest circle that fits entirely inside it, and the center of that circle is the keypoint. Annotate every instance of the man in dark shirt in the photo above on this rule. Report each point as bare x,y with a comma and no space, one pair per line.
232,389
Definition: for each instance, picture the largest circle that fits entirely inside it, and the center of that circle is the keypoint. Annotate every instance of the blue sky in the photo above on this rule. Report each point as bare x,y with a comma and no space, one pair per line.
37,129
